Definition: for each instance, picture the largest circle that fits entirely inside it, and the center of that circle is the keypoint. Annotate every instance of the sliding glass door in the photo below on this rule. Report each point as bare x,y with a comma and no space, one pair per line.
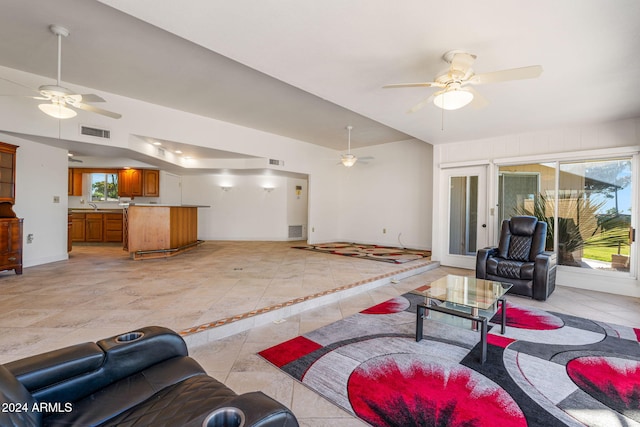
587,204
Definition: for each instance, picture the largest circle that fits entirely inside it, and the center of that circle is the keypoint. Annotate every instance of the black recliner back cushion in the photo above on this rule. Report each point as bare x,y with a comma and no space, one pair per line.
522,238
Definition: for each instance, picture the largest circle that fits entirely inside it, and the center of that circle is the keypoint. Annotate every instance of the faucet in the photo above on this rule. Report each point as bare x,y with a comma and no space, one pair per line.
94,206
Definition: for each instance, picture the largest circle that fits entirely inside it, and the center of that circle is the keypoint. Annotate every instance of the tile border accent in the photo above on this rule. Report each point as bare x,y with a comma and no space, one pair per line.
296,301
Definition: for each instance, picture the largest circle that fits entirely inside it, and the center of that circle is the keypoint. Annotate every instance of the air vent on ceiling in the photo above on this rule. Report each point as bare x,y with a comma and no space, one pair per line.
100,133
276,162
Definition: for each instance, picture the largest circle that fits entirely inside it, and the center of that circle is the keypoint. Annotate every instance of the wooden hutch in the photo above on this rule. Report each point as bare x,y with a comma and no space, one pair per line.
10,226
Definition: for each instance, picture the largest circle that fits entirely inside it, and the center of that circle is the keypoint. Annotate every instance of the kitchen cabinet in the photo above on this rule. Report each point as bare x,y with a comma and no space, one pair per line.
112,227
78,221
96,227
75,182
130,182
151,182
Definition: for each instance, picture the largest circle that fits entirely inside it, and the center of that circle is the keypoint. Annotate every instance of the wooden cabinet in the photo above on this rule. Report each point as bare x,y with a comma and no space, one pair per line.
112,227
75,182
130,183
69,231
93,227
96,227
7,172
139,182
10,226
78,227
151,183
11,244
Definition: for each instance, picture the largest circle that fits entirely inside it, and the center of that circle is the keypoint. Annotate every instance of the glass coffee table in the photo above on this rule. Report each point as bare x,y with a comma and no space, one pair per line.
467,298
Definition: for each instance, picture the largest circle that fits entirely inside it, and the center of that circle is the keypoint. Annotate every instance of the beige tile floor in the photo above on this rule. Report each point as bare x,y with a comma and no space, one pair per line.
99,292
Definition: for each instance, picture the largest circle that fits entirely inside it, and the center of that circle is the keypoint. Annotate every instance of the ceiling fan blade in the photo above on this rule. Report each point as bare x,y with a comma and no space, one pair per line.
505,75
423,84
462,61
479,101
92,109
422,103
90,97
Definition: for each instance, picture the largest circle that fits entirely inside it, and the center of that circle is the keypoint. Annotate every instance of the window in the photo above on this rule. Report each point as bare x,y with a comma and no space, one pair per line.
104,187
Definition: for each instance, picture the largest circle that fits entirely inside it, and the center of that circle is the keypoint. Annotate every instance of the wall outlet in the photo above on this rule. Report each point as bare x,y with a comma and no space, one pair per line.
384,231
56,199
30,238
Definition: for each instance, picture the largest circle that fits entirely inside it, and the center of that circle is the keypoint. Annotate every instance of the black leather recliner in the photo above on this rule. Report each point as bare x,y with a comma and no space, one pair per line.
520,259
141,378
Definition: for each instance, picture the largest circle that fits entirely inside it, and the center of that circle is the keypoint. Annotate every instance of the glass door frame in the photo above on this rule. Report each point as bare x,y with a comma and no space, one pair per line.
482,229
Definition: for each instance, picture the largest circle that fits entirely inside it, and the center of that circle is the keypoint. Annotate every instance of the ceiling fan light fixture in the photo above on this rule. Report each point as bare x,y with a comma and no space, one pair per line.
453,99
58,111
348,160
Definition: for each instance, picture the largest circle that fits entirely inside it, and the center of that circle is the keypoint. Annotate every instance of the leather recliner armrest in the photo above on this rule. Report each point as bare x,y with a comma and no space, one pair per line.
53,367
481,260
544,275
262,411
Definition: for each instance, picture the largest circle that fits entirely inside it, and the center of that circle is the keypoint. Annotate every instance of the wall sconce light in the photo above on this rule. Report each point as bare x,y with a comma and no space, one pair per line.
268,189
225,187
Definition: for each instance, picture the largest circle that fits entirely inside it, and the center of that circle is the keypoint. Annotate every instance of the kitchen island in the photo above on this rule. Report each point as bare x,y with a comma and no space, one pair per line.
155,230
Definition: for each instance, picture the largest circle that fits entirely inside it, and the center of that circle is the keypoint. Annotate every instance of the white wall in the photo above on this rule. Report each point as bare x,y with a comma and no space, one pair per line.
244,212
388,200
578,142
41,176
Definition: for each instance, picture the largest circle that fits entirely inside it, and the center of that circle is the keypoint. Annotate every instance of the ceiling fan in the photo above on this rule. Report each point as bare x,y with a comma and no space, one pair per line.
349,159
61,98
455,85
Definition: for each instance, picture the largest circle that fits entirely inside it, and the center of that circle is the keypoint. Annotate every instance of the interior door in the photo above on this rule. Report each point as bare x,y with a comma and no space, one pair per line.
466,215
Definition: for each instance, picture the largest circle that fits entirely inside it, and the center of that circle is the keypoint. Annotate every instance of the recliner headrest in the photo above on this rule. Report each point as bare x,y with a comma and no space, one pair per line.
523,225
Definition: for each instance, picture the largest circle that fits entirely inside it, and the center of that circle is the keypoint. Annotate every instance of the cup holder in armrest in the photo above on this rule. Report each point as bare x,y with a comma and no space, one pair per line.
129,337
225,417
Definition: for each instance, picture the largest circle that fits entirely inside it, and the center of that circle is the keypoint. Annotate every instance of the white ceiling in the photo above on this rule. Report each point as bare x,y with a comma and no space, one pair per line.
305,69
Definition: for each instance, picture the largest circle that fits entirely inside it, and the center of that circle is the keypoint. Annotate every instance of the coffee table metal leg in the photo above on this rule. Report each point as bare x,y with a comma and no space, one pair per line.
483,339
474,313
503,317
420,313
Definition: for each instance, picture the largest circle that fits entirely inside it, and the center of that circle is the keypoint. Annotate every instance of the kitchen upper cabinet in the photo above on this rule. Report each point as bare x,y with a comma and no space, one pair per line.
151,182
130,182
75,182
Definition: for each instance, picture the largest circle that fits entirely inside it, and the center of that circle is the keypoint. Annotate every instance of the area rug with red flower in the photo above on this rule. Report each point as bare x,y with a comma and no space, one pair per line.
548,369
372,252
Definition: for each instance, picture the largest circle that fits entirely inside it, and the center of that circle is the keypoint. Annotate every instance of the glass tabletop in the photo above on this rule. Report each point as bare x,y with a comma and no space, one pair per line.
467,291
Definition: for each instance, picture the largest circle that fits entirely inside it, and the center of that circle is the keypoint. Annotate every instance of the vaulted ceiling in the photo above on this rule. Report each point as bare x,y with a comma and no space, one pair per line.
305,69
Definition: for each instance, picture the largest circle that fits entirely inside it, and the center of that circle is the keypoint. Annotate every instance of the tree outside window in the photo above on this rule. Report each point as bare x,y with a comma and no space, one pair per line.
104,187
